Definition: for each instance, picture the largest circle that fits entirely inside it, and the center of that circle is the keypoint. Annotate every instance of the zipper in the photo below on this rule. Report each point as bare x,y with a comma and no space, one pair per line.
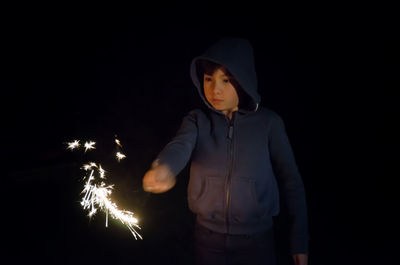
228,178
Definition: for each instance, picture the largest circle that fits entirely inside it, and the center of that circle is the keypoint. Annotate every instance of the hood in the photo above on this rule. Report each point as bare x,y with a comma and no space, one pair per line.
237,56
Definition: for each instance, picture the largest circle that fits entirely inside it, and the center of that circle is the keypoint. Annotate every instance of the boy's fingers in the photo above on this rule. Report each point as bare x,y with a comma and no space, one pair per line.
158,180
157,187
150,183
154,189
148,188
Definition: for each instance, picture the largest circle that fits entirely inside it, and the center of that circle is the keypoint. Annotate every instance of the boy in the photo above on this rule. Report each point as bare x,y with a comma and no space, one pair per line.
241,161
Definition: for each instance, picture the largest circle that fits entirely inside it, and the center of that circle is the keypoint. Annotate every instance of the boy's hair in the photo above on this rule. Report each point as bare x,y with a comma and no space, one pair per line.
209,67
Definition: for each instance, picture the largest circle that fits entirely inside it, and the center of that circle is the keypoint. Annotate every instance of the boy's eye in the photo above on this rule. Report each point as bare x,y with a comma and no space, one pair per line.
226,80
207,79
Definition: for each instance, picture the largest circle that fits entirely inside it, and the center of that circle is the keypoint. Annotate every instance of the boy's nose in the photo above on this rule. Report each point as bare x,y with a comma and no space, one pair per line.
217,88
217,91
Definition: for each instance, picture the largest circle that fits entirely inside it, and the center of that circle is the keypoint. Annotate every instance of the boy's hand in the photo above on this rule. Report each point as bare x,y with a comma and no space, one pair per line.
158,179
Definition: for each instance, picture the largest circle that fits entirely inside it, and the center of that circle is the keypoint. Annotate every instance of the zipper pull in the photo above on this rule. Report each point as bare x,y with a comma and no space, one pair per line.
231,122
230,134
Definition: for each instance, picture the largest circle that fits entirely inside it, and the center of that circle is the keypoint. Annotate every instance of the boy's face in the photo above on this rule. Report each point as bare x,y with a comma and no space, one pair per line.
220,92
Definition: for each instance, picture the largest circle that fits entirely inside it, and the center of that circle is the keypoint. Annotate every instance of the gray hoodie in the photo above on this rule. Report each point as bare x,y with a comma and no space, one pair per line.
239,167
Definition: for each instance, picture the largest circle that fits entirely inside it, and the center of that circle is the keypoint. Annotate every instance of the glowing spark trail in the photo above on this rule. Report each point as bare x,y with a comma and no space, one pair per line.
73,145
97,193
89,145
91,165
102,172
118,143
120,156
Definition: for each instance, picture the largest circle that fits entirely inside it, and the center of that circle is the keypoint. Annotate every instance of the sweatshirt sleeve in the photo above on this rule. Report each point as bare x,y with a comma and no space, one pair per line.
290,185
177,152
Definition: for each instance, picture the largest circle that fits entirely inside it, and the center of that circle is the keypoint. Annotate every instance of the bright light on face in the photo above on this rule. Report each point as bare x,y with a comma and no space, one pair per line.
220,92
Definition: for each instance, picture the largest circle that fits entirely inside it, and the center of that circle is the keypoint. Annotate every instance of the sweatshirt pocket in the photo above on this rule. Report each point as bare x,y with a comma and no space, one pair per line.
244,207
208,201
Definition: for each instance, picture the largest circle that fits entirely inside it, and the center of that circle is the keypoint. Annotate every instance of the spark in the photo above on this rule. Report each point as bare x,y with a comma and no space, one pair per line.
120,156
89,166
118,143
98,197
102,172
89,145
73,145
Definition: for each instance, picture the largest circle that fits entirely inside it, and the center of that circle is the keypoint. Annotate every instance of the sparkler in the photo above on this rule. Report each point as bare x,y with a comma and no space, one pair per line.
97,193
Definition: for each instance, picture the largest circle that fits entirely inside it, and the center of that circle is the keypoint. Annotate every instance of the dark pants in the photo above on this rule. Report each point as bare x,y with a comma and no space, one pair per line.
222,249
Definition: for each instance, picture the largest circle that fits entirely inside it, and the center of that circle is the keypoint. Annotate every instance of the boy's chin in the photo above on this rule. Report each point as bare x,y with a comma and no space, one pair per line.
218,107
222,109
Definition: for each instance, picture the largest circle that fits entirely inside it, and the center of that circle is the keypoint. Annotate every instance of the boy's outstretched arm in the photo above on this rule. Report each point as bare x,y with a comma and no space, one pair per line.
173,158
291,188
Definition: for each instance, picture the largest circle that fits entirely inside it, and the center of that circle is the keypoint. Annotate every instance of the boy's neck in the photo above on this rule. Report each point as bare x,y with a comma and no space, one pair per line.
229,112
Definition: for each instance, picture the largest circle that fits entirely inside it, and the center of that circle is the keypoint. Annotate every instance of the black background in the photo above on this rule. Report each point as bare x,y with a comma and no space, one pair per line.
90,74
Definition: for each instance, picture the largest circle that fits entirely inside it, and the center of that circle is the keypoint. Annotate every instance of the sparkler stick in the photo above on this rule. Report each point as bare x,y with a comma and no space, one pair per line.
97,194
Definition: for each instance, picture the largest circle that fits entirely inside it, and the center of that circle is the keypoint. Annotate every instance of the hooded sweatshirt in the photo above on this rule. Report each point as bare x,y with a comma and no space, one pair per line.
243,168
